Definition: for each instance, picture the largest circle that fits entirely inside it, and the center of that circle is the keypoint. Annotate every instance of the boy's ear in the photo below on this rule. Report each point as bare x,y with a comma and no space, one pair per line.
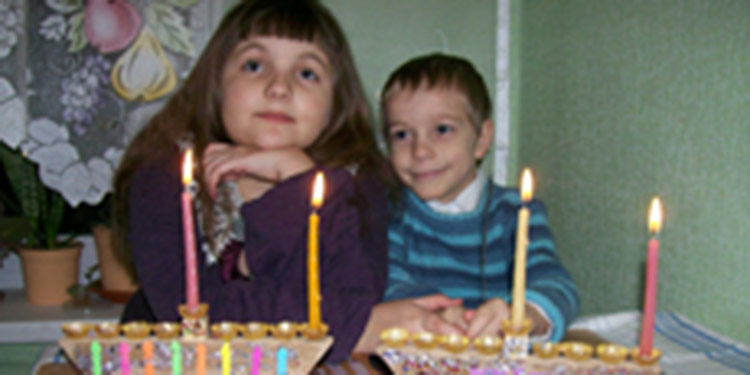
484,141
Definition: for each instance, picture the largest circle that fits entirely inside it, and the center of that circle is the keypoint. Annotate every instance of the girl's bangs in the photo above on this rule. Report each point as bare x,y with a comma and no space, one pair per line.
293,24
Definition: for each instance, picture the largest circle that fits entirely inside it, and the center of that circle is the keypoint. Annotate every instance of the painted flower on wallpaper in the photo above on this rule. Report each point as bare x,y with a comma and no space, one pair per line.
60,166
82,92
110,25
53,27
10,28
144,70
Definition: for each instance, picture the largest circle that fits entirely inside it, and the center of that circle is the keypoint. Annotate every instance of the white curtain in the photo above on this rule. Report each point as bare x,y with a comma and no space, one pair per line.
78,78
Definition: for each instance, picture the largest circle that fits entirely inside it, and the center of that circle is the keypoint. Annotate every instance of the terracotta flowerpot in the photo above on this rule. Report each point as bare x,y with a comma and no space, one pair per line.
114,276
47,274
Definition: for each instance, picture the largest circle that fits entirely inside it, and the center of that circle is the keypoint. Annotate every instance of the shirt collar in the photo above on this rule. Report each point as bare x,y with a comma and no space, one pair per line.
465,201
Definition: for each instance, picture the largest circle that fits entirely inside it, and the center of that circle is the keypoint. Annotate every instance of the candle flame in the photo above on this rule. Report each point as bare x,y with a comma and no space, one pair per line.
318,188
655,216
527,188
187,167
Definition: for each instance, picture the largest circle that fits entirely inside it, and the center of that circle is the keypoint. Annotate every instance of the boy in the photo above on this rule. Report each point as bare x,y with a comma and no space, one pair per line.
453,231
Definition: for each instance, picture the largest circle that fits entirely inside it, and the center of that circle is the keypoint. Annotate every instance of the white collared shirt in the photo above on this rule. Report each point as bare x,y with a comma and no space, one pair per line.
465,201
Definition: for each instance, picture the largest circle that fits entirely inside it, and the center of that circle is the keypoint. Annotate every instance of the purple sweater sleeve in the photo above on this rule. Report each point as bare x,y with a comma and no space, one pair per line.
352,253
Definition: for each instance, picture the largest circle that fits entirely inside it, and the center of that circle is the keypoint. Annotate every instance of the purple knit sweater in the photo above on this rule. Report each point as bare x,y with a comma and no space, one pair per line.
353,252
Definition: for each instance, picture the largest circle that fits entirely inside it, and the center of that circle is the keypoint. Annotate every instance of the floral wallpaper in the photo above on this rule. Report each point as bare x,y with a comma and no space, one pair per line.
78,78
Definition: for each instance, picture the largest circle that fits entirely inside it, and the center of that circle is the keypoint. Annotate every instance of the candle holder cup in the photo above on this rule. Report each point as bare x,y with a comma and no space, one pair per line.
546,350
488,345
611,354
107,330
645,361
425,340
314,333
516,340
395,337
194,321
136,329
76,330
577,351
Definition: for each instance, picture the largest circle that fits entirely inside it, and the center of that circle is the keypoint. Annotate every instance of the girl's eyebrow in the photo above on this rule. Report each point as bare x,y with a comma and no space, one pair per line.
245,46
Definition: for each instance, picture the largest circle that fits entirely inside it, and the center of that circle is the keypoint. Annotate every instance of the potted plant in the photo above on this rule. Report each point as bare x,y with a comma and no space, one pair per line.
116,283
49,261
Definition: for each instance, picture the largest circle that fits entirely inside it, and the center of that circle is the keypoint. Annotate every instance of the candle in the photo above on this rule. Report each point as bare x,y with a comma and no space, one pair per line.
188,233
281,358
124,358
522,242
257,358
148,357
176,358
313,279
200,359
226,358
652,280
96,358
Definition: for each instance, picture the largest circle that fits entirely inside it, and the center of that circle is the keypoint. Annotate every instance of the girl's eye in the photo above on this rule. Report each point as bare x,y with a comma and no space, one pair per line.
308,74
251,66
444,129
398,135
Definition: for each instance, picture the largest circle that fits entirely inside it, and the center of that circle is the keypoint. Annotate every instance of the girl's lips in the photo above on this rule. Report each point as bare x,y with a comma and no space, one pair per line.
275,117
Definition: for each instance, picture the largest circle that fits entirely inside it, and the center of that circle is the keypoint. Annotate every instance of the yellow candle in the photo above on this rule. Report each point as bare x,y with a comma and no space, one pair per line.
226,359
313,279
522,242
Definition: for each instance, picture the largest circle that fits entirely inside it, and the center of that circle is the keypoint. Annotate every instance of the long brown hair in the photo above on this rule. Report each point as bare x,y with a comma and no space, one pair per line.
195,109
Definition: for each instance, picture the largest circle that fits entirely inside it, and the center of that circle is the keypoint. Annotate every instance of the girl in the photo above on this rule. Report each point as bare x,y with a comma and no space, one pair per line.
273,98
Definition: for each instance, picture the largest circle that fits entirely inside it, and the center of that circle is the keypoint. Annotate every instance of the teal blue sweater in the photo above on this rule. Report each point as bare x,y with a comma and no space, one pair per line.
432,252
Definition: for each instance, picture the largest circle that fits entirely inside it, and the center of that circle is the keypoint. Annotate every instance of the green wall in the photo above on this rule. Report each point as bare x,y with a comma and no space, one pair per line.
623,100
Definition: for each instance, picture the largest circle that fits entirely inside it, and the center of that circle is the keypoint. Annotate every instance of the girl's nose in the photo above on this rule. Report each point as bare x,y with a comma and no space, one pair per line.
278,88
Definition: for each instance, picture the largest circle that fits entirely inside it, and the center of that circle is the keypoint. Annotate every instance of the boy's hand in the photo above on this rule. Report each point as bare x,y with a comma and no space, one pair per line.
486,320
414,315
455,315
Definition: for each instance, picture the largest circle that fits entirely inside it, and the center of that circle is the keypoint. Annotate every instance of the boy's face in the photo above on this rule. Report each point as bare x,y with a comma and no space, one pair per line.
434,145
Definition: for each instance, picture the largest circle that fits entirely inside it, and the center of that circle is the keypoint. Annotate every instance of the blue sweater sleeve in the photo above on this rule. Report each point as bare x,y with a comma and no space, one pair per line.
400,282
548,283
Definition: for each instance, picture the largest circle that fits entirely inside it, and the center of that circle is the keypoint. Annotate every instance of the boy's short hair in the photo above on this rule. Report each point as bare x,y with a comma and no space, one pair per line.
438,70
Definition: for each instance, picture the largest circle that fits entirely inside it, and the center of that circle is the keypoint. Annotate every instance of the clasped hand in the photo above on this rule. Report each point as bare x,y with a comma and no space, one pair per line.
254,170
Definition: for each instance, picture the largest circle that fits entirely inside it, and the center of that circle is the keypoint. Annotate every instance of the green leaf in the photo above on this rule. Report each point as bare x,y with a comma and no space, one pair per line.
64,6
76,36
183,3
53,218
169,28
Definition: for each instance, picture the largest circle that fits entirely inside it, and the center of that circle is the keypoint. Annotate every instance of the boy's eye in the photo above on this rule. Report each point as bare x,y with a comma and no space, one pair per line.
251,66
444,129
308,74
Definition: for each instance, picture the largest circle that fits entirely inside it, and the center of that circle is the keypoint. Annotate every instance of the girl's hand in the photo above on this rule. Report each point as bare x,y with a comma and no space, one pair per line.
487,318
255,170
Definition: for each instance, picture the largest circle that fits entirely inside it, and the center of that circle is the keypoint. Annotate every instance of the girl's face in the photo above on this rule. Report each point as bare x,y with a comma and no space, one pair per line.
276,93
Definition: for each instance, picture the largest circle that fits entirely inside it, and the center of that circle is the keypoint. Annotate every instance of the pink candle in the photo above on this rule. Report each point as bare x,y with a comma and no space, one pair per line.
124,358
188,233
257,357
652,281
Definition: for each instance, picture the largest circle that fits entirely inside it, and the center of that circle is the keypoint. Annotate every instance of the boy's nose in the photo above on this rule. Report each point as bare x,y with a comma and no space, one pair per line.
278,88
422,149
